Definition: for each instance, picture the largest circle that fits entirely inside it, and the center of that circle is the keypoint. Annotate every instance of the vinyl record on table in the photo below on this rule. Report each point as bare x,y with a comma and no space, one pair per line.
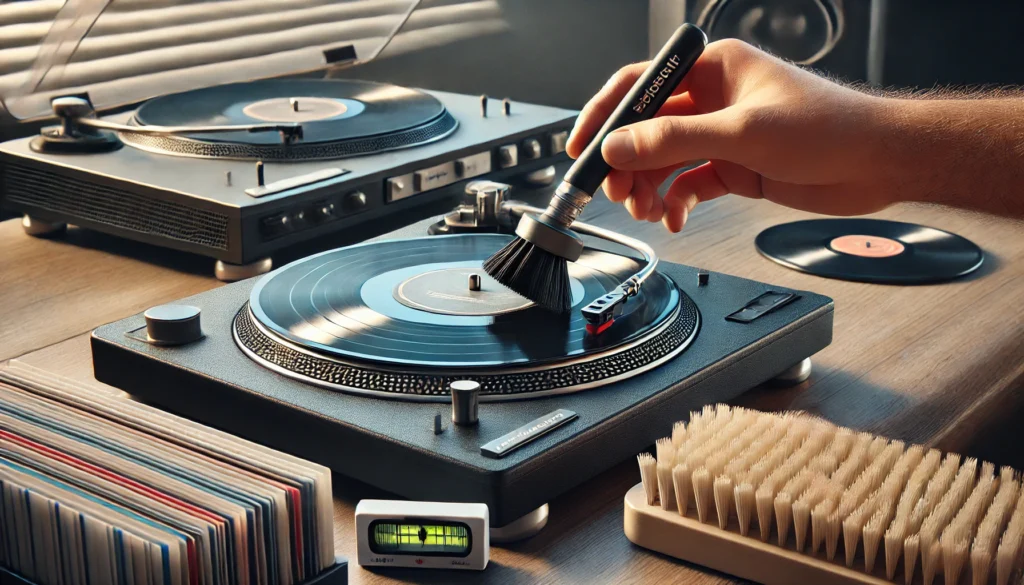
339,118
870,250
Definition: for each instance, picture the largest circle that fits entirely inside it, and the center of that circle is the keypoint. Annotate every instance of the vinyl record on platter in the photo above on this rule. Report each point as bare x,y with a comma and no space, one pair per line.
398,319
339,118
870,250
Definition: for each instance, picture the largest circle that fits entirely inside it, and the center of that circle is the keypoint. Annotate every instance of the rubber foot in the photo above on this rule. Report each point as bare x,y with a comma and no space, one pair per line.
542,177
39,228
796,374
522,528
227,272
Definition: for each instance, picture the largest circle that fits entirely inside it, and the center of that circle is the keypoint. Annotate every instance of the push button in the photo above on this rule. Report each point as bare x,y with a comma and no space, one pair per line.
400,187
558,140
473,166
531,149
761,306
508,156
276,225
355,200
434,177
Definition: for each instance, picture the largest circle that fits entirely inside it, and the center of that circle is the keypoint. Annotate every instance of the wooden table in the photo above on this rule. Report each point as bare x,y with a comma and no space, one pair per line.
941,365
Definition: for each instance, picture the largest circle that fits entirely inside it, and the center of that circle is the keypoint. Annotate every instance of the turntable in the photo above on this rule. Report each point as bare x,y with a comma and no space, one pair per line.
399,363
240,169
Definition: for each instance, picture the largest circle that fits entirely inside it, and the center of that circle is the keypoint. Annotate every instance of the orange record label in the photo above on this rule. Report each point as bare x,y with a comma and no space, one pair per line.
867,246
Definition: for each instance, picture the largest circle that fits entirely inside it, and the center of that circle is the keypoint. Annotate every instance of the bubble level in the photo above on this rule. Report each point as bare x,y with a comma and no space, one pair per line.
423,539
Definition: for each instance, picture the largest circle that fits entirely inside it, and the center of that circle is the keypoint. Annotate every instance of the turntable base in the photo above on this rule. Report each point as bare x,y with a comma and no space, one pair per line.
391,444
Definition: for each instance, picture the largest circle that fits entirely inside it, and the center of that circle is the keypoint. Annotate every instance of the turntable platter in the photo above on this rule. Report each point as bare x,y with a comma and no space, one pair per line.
340,118
397,318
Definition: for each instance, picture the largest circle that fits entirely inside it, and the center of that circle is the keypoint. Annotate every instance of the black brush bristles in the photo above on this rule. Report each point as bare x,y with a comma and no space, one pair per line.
534,273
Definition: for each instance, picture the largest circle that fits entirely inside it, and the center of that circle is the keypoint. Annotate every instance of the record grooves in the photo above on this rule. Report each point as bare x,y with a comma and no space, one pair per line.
340,118
333,320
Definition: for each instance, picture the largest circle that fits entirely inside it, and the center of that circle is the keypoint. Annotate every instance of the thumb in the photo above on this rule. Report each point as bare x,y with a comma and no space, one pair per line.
668,141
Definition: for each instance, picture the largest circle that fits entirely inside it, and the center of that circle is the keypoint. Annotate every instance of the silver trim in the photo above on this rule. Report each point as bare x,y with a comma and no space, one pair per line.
483,398
566,204
127,138
292,131
525,434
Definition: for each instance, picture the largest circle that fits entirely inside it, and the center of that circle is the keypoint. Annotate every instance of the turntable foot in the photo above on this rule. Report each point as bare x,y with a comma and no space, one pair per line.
522,528
36,227
793,375
542,177
232,272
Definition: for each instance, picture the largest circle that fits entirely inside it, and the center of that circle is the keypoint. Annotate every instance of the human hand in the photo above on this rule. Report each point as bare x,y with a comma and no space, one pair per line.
768,129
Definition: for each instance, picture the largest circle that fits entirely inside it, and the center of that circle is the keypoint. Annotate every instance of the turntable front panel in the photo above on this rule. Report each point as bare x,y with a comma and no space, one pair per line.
386,442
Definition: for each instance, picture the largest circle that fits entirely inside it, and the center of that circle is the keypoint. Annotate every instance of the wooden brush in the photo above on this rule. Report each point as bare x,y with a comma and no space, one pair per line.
831,506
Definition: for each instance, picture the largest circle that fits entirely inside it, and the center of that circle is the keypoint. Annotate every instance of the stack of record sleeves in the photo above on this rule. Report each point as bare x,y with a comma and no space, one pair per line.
97,489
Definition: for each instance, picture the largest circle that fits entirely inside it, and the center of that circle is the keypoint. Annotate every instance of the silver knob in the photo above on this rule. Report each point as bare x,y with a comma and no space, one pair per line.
475,282
465,402
483,106
70,110
71,107
506,106
173,324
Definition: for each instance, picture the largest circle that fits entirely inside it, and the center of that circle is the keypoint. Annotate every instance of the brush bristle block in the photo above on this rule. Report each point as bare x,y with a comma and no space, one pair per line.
945,518
684,537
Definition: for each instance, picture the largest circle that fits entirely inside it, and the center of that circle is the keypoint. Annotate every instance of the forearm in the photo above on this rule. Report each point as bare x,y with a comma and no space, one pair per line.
966,153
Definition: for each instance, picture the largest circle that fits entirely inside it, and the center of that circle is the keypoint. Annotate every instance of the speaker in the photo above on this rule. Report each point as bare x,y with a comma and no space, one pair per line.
833,36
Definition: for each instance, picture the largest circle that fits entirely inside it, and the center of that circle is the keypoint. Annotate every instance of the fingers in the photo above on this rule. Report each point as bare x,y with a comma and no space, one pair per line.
618,185
600,107
689,188
638,192
644,199
597,110
677,212
672,140
680,105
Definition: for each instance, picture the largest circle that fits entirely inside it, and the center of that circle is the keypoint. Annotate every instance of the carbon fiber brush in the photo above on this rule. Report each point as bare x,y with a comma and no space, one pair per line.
535,263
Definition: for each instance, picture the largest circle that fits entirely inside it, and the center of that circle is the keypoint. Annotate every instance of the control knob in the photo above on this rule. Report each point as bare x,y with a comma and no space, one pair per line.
173,324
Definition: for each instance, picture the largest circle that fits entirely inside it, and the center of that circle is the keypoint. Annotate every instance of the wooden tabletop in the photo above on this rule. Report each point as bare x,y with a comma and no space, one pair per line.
938,364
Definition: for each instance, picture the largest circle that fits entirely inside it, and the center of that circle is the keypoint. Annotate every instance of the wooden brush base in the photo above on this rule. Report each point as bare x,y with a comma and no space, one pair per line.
684,537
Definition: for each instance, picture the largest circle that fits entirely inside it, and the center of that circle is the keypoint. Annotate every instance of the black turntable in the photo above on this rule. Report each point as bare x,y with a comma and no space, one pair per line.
237,170
347,358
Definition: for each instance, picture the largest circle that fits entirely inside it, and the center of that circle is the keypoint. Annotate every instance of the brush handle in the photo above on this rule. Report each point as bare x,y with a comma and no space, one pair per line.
642,102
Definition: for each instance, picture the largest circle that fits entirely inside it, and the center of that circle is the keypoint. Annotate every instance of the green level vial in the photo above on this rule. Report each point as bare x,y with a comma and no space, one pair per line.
435,538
